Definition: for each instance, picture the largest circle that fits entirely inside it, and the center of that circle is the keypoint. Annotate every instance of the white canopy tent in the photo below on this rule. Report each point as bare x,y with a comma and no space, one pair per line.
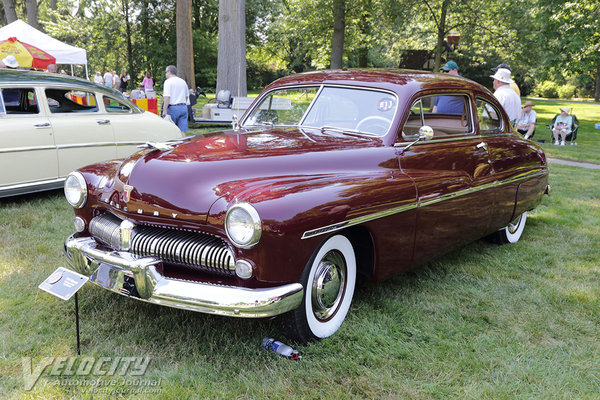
64,53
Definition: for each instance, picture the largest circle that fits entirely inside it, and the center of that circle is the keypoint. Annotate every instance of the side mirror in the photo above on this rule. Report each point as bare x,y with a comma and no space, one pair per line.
425,133
234,122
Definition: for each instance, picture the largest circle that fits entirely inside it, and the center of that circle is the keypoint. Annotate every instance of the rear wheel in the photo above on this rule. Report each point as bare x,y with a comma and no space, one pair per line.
328,279
512,232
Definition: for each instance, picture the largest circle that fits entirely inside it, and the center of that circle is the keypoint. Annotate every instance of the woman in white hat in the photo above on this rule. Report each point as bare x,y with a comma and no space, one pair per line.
562,126
505,95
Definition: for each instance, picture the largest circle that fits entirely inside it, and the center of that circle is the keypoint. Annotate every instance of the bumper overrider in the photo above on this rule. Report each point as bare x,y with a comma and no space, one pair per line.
138,277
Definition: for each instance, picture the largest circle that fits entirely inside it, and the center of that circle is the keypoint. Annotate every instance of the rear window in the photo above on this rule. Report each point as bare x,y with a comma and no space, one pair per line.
18,101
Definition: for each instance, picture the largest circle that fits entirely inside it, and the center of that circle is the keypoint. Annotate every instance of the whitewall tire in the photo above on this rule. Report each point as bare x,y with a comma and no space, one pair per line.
329,279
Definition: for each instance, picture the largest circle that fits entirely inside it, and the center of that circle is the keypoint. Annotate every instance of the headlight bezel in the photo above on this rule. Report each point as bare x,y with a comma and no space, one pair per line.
255,222
82,189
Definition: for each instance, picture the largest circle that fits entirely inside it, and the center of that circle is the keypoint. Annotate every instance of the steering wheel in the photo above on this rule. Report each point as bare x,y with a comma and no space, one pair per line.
381,124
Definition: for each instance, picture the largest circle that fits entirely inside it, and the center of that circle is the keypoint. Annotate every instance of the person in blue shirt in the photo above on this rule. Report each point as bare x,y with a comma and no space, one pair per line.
562,126
449,104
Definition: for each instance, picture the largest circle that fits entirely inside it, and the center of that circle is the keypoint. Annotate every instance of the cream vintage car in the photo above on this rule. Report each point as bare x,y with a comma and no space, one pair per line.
52,124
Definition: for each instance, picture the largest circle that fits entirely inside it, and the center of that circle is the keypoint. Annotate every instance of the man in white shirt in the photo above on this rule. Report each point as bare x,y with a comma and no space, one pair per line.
175,98
510,101
526,121
108,79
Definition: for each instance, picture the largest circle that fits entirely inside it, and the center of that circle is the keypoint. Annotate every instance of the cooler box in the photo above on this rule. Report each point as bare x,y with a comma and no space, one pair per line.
147,104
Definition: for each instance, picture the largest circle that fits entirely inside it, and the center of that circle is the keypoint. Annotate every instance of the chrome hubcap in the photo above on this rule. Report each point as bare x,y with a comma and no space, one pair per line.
328,285
514,225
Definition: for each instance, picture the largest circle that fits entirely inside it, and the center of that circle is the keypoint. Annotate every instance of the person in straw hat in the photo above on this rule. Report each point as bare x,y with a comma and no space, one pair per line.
526,121
510,101
562,126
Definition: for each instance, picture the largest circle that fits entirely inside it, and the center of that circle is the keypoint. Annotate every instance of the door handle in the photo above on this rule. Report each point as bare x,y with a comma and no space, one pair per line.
42,125
482,145
103,121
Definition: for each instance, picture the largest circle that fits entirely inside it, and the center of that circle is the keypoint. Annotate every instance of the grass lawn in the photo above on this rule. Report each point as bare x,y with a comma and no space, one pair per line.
588,138
483,322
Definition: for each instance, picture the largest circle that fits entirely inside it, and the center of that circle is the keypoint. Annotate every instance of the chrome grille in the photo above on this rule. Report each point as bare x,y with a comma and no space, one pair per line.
106,227
192,249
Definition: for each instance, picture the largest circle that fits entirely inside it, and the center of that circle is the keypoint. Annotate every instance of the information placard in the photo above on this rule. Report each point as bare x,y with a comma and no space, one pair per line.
63,283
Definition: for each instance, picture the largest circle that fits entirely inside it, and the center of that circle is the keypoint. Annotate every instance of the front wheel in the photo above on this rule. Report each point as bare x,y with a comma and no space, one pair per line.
328,279
512,232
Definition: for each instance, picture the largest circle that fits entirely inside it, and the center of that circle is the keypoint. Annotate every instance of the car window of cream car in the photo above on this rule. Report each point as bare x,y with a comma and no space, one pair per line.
338,108
65,100
19,101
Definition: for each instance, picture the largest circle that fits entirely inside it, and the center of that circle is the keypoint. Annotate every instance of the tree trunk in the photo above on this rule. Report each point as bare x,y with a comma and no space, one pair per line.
339,27
597,93
128,39
365,30
185,46
53,7
9,10
231,62
441,33
32,13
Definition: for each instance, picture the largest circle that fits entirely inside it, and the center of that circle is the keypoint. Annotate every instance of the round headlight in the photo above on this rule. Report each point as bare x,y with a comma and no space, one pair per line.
243,225
76,189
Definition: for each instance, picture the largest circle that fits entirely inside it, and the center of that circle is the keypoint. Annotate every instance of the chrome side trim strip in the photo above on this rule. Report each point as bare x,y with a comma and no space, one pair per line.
455,138
84,145
129,143
418,204
359,220
31,187
21,149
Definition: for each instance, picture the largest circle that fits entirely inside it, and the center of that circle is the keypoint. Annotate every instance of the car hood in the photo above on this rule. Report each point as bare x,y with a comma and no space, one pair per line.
190,177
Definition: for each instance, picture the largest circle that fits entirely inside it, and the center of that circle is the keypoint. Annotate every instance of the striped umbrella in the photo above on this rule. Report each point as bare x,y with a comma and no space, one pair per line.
26,54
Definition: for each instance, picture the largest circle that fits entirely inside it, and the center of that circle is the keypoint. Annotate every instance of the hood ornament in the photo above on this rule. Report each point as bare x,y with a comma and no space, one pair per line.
156,146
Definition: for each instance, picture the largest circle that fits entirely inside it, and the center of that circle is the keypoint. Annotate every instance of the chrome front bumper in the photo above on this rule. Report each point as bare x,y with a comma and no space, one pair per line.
131,276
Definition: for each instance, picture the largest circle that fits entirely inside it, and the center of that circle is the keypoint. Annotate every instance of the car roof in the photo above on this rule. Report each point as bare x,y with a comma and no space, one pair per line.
41,78
46,78
391,79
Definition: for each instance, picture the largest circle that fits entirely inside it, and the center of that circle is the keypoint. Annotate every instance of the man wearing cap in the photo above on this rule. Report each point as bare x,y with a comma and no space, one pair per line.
526,121
11,62
507,97
449,104
513,85
562,126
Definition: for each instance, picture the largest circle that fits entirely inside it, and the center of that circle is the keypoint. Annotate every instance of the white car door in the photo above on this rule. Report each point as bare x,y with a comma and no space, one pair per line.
28,155
82,130
134,128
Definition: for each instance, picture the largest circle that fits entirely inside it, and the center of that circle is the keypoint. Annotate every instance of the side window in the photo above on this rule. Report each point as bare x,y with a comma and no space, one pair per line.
71,101
115,106
490,119
446,114
18,101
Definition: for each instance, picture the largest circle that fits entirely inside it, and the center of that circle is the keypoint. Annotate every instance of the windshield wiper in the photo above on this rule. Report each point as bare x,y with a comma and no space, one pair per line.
343,130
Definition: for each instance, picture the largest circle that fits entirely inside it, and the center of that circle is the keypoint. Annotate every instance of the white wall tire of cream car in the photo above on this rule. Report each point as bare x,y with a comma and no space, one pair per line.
329,279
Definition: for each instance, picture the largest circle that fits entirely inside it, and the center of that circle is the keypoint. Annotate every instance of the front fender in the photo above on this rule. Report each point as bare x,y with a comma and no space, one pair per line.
290,207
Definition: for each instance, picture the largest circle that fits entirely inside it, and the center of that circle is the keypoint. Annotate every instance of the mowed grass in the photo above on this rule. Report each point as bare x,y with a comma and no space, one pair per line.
588,138
483,322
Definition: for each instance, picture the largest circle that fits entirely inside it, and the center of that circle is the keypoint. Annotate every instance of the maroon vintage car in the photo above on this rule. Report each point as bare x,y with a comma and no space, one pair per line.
329,175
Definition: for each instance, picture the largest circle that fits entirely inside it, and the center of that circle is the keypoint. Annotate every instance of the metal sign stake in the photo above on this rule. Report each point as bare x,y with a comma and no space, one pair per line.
77,323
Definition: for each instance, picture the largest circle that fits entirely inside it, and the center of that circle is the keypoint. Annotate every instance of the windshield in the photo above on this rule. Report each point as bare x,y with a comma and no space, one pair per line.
342,109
